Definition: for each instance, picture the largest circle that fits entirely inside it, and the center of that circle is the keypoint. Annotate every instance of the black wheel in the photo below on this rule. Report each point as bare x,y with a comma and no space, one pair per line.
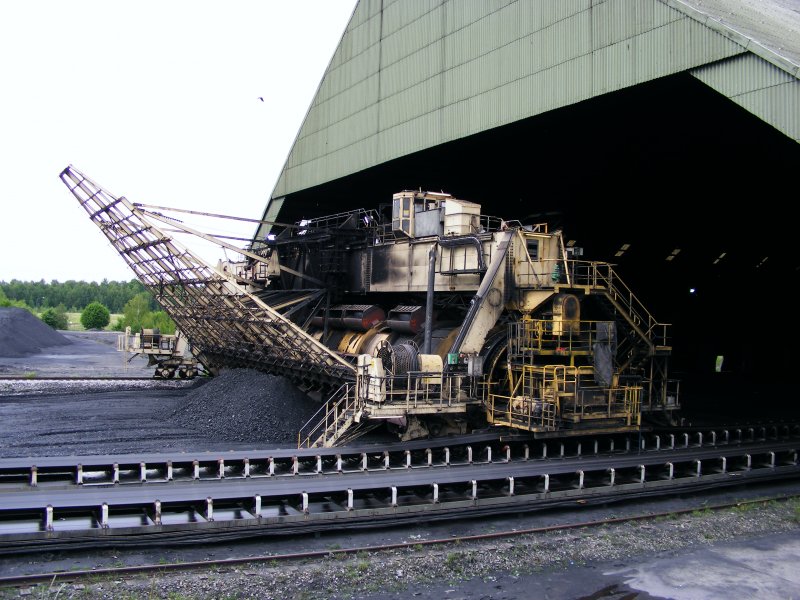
182,373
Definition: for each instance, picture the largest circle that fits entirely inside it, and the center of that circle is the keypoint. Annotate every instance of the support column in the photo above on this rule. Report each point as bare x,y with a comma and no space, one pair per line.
209,509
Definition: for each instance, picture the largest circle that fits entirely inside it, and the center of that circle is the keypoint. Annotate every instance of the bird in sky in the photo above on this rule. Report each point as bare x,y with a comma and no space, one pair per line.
261,98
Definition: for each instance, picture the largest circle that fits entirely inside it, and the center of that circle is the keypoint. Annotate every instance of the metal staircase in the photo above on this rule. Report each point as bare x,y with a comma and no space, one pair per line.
337,422
643,344
226,325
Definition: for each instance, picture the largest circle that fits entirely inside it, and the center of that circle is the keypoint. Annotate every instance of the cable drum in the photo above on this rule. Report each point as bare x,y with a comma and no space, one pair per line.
405,358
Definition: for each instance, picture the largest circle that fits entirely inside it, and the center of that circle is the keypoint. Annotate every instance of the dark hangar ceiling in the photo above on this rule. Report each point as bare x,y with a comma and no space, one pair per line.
664,166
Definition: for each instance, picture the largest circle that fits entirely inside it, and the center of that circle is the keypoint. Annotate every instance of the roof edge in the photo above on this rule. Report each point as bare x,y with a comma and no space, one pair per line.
747,42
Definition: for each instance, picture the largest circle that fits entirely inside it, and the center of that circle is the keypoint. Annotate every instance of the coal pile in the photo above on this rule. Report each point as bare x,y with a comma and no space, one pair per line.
242,405
21,333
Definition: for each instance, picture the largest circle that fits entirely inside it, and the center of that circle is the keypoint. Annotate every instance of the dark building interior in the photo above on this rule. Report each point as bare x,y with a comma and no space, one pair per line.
668,168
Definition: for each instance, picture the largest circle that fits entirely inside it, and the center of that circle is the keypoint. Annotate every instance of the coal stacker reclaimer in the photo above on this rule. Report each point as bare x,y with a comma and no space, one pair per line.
421,316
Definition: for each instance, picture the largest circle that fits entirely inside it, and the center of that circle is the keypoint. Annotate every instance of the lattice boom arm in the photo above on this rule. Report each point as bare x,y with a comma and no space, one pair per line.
224,323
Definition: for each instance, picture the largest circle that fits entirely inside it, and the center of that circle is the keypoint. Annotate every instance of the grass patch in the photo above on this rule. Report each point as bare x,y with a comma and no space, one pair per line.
74,321
454,559
745,507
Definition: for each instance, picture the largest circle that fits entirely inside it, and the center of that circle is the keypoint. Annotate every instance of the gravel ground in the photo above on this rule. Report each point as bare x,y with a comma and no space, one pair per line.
627,560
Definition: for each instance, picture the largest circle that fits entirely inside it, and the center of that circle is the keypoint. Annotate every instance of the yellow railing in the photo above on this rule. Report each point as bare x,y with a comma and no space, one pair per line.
402,394
632,402
602,275
554,392
598,275
417,388
537,336
522,412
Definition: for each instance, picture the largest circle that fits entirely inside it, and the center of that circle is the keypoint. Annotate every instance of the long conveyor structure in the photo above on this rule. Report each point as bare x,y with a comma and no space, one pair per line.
278,493
227,325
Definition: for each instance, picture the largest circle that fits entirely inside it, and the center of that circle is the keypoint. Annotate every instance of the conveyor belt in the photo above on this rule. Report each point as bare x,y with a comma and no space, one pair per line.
288,486
55,517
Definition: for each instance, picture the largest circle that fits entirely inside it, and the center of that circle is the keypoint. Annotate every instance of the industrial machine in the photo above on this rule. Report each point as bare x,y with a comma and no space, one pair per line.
169,353
421,316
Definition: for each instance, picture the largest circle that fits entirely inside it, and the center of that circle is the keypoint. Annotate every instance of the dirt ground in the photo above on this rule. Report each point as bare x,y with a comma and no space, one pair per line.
732,554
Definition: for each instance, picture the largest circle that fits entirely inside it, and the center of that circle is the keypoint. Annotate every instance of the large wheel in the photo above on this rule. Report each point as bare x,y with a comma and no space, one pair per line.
495,353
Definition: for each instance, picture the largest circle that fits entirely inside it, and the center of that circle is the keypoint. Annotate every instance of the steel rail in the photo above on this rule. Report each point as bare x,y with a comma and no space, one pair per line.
77,575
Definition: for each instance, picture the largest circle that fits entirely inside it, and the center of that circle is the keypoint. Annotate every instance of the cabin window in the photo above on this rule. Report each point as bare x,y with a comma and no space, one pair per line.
403,215
533,248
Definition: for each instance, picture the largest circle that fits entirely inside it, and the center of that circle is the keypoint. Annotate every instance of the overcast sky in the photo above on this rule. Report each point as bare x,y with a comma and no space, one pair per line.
156,101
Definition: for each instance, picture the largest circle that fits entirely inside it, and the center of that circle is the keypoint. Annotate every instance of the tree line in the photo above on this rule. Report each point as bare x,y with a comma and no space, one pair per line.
75,295
137,312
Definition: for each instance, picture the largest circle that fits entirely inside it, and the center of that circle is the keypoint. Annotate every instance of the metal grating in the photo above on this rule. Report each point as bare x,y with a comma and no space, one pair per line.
226,325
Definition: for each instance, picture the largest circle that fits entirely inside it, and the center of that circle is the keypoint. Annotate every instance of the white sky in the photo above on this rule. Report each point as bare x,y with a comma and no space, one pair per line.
155,101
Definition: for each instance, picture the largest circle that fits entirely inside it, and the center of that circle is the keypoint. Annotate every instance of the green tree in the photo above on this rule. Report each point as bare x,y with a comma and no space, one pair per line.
137,314
160,319
4,301
73,294
56,317
95,316
137,311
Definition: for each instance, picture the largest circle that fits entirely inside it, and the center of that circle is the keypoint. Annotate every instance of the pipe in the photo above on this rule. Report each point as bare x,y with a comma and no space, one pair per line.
426,346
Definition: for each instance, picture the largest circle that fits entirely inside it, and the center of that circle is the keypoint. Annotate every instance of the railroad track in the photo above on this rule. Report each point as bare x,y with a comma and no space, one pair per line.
74,576
60,503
